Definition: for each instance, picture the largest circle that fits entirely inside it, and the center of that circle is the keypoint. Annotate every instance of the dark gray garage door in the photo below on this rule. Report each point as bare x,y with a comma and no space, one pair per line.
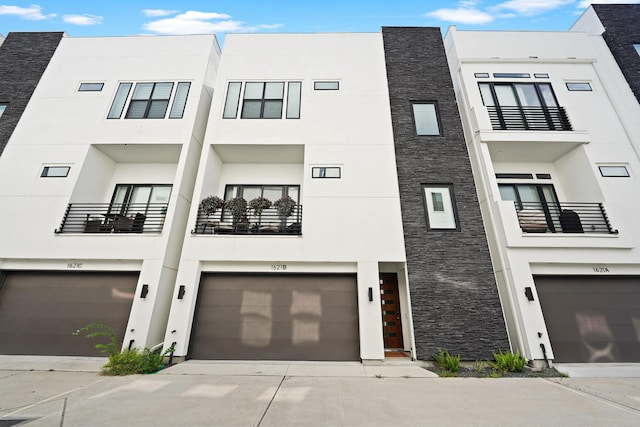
40,310
276,317
592,319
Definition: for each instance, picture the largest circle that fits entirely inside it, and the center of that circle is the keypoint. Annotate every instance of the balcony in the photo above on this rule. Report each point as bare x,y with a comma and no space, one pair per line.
108,218
529,118
588,218
267,223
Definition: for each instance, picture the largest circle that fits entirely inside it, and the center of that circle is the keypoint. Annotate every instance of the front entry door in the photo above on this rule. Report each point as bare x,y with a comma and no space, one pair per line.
391,320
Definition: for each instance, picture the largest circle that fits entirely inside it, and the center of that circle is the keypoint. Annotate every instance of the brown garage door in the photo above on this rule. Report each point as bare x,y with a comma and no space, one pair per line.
40,310
592,319
276,317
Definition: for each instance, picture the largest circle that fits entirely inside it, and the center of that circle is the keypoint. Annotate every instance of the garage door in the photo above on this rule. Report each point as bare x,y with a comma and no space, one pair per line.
276,317
39,311
592,319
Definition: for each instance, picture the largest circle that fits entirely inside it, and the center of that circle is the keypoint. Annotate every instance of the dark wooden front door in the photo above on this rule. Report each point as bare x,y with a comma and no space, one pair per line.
391,320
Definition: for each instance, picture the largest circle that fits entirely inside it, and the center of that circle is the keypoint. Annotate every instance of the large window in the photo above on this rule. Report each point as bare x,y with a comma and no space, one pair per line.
425,117
138,197
150,100
440,205
263,100
271,192
534,201
523,106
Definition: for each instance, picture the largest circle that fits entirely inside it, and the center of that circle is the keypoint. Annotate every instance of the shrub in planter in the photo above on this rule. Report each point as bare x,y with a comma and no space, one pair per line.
209,205
259,204
505,361
446,362
284,206
237,207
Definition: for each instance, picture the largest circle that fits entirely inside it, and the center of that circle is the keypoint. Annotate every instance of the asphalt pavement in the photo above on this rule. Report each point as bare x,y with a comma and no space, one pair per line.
64,391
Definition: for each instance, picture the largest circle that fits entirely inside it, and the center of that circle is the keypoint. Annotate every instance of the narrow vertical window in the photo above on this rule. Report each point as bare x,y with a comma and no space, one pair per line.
118,102
180,100
637,47
440,206
425,117
293,100
233,99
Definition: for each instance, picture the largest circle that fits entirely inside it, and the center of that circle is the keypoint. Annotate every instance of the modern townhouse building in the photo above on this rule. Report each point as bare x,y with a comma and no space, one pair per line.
95,188
23,59
556,172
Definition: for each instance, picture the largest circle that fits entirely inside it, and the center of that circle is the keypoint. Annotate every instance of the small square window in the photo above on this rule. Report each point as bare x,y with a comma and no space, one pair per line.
614,171
326,85
425,117
440,206
325,172
579,86
55,171
90,87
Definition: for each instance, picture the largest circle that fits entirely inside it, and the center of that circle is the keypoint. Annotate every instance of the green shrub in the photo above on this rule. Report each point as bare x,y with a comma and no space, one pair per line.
445,361
96,330
506,361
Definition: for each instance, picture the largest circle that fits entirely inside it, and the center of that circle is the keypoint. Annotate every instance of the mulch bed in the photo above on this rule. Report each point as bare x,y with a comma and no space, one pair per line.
486,372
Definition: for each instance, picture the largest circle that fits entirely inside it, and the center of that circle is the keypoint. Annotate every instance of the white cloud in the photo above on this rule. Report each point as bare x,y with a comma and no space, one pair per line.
82,19
154,13
195,22
585,3
462,15
531,7
32,13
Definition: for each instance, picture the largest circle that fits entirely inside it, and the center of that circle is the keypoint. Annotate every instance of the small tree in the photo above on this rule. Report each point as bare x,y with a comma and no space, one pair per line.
209,205
284,206
237,207
259,204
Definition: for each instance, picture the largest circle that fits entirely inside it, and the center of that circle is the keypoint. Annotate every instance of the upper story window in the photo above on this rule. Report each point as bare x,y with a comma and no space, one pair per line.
332,85
55,171
150,100
579,86
637,46
2,108
263,100
523,106
440,206
425,118
90,87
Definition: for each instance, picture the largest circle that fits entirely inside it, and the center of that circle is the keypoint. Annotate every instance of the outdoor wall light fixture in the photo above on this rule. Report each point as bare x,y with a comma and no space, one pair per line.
529,293
370,294
181,291
145,291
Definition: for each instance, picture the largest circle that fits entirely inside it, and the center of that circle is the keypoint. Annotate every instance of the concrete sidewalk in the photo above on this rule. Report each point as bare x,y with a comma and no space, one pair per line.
303,394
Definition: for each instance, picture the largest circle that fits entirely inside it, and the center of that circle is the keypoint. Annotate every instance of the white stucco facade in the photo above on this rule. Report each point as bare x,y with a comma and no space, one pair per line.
569,160
66,127
350,224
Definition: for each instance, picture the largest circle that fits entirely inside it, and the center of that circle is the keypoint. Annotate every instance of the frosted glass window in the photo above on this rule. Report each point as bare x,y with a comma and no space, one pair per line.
233,98
120,99
293,100
425,117
579,86
90,87
326,85
614,171
440,207
180,100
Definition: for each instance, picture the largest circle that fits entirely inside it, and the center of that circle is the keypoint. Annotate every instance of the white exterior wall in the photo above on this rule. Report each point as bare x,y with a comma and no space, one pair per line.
62,126
349,224
600,136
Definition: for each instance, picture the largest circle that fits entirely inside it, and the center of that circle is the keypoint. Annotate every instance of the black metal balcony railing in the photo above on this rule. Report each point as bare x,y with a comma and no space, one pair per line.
113,218
563,218
529,118
266,223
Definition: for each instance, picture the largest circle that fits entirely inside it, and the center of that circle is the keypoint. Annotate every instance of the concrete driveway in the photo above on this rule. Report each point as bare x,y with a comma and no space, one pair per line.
300,394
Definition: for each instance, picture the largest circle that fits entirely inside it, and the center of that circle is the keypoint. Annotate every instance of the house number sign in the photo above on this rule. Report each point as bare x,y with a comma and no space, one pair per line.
600,270
278,267
74,265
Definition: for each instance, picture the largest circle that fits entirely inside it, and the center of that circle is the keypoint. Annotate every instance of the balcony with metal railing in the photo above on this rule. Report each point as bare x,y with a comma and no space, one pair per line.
562,217
113,218
529,118
266,223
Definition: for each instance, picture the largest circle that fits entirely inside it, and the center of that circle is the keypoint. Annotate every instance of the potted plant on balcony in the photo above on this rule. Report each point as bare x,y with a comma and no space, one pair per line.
237,207
284,206
259,204
210,205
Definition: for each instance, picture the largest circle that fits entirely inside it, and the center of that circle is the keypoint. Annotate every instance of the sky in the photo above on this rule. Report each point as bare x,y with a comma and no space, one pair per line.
81,18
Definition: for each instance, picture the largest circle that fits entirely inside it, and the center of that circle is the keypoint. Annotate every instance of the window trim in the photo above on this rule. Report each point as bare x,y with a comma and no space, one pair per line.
452,200
436,111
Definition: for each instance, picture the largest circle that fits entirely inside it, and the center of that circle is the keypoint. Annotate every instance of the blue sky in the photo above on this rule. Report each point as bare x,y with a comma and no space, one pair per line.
129,17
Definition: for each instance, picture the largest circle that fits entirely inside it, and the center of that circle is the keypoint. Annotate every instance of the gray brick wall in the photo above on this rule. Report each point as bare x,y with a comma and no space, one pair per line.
622,24
454,296
23,59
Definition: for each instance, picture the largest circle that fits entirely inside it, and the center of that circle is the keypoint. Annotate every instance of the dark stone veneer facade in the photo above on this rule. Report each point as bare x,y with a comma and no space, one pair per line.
622,31
23,59
454,297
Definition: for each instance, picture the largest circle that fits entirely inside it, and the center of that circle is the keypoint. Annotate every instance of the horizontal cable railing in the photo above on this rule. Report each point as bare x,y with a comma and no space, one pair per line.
529,118
536,217
113,218
268,222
